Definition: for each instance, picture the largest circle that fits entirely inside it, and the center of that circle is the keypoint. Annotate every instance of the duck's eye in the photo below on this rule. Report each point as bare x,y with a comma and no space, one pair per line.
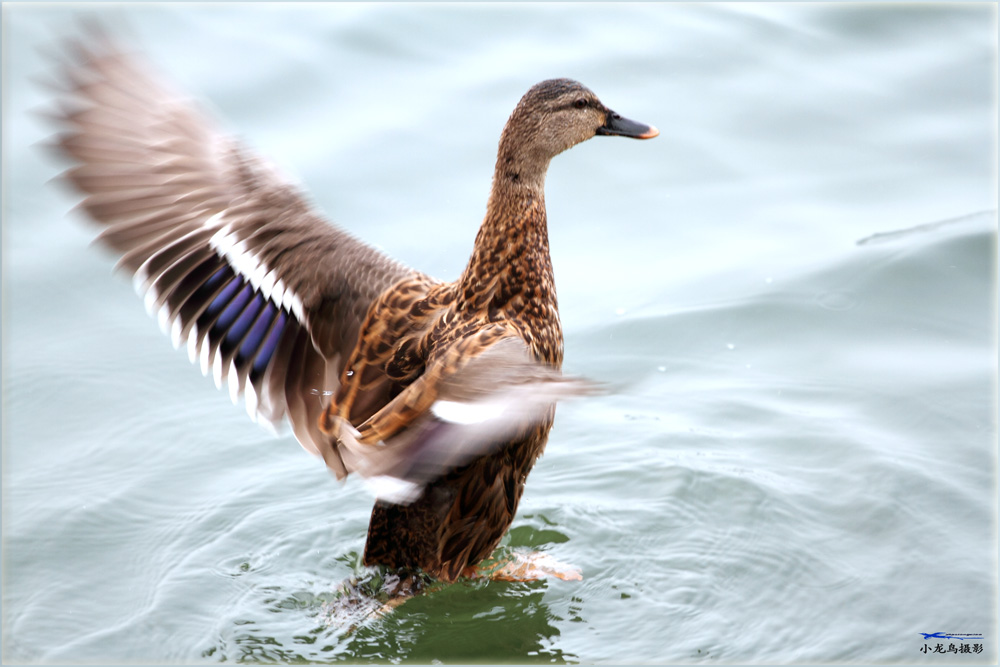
580,103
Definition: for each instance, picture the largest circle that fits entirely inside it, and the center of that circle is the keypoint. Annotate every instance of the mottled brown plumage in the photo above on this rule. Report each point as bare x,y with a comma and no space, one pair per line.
446,388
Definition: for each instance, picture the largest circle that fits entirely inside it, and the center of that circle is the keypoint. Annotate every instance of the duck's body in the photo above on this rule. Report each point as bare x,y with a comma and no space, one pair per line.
369,360
507,290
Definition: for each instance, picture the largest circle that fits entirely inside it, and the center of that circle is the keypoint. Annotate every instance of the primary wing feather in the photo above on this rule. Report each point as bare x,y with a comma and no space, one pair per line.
229,256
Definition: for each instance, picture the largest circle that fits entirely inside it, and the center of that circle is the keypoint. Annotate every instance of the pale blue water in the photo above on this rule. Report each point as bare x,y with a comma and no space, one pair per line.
798,462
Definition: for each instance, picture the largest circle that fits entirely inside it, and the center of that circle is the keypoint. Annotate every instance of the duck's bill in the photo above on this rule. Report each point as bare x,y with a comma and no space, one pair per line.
617,126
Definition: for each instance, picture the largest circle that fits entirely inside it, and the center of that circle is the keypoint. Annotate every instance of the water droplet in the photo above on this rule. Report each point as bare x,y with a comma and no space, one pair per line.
730,346
661,368
619,311
350,373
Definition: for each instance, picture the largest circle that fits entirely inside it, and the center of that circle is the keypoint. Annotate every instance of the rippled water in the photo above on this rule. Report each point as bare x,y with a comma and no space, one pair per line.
792,292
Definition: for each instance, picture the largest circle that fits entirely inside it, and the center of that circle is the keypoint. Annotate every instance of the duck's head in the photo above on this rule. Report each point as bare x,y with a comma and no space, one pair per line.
556,115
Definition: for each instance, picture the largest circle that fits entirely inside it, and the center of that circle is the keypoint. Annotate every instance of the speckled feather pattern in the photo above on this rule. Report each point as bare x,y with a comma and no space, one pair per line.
420,326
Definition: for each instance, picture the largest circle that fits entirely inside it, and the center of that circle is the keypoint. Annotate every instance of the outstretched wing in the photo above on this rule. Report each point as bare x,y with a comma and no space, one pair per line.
229,256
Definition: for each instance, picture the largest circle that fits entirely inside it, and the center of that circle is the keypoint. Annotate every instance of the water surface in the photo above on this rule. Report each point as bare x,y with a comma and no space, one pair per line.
792,292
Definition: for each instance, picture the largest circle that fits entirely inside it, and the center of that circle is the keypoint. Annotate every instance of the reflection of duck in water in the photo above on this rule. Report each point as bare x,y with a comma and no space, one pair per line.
441,392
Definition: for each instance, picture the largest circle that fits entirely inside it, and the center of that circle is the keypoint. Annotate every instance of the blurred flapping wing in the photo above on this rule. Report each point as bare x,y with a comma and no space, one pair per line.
494,398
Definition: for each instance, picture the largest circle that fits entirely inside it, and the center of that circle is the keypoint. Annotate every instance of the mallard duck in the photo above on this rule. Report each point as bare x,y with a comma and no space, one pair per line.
442,393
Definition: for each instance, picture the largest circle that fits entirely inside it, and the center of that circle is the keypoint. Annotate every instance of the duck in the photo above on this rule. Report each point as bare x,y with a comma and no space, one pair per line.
441,394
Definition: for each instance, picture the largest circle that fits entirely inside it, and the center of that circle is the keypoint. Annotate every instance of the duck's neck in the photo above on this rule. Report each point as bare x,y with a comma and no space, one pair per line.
509,276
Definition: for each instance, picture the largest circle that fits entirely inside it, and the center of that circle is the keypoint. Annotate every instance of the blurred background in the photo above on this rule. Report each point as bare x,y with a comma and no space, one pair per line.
792,290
